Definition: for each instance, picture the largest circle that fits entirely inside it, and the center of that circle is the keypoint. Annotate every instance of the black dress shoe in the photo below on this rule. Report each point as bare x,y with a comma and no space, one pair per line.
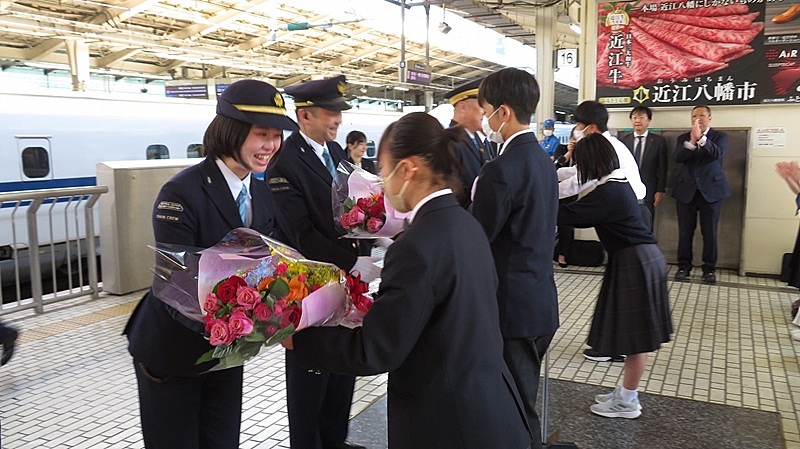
347,445
682,275
709,278
8,340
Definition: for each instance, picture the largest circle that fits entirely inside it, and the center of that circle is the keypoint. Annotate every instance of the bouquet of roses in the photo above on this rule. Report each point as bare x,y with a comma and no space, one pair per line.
359,206
251,291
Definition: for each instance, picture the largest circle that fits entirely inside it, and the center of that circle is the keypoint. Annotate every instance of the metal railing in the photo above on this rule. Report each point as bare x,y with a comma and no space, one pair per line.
67,252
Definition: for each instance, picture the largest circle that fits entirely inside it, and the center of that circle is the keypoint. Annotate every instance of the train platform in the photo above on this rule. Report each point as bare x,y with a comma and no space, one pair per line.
730,378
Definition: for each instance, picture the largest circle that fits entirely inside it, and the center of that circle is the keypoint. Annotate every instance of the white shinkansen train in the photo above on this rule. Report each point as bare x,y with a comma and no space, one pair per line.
56,140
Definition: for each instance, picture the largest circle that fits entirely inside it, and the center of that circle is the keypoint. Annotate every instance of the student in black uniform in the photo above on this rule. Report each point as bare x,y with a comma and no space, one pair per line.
8,339
431,326
356,147
516,200
181,405
300,178
632,313
472,152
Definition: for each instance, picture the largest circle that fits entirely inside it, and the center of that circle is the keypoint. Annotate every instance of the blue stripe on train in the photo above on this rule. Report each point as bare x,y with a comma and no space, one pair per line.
63,183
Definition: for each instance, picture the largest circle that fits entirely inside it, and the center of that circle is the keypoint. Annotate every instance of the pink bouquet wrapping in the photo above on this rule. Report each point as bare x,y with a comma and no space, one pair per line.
251,291
359,206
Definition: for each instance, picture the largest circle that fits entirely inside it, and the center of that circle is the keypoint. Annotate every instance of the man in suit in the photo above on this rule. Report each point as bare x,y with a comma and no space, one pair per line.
699,188
300,178
472,152
516,202
650,152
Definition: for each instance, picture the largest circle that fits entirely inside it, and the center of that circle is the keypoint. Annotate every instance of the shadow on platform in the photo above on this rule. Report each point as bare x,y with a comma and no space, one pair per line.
665,423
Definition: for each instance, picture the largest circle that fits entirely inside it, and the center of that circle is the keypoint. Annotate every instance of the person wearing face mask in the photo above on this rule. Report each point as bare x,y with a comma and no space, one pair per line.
300,178
516,200
180,403
550,141
431,326
591,117
472,152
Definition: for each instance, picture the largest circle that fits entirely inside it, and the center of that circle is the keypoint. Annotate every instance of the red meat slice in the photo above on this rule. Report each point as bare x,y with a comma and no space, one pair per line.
729,36
740,22
713,11
685,64
715,51
644,69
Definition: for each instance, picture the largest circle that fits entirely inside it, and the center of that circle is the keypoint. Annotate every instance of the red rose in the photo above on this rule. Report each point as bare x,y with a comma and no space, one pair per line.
376,211
363,203
262,312
226,291
291,315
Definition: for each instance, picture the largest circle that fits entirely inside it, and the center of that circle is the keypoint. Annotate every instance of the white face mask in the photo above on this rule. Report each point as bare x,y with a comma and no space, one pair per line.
578,134
397,201
547,132
493,136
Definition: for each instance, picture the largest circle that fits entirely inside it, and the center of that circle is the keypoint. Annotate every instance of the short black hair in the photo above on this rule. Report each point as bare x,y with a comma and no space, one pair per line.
592,113
595,157
225,136
514,88
355,136
708,109
642,109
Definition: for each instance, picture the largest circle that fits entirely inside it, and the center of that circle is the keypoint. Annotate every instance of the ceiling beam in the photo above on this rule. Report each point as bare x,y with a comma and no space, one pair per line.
122,12
116,57
44,49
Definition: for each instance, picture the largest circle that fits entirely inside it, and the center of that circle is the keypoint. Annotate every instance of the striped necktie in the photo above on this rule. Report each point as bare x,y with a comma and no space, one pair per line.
241,202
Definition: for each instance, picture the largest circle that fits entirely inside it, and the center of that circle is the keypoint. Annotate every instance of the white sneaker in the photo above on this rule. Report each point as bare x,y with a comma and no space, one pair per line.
617,408
600,398
796,334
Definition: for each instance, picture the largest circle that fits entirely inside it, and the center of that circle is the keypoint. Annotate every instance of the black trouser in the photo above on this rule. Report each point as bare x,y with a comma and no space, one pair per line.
318,404
524,359
197,412
687,222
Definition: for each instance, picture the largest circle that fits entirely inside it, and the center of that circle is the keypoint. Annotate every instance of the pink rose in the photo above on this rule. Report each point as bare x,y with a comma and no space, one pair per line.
262,312
211,304
248,297
270,330
291,315
209,320
356,215
220,333
281,269
374,224
346,220
239,324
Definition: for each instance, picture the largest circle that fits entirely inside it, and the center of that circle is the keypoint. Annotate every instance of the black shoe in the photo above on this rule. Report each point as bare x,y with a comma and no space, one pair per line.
709,278
597,356
9,340
347,445
682,275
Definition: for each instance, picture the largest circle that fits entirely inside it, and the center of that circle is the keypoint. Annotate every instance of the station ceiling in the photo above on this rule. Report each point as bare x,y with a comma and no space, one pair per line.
192,39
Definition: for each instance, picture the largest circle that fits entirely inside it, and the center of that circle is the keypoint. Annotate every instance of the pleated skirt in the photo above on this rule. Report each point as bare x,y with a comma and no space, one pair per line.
632,314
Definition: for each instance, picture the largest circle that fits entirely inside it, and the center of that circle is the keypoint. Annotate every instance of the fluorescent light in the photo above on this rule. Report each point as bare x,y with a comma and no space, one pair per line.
575,27
402,89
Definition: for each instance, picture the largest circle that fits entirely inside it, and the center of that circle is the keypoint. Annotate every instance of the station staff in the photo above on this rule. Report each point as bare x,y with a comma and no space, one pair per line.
300,178
550,142
182,405
472,151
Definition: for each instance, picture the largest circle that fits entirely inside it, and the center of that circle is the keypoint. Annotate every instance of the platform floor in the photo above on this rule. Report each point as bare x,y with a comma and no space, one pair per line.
71,383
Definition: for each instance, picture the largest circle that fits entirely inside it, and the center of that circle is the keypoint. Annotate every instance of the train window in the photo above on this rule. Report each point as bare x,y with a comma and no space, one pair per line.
157,152
195,150
35,162
371,152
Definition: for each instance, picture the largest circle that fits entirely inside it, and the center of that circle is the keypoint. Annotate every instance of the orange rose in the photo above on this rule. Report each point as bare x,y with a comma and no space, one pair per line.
264,284
297,290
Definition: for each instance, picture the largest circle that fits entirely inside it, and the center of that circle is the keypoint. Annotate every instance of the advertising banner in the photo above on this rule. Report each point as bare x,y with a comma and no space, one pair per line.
715,52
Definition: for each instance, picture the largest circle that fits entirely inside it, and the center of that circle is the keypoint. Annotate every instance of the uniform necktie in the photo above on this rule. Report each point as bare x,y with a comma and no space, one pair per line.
637,152
241,202
328,162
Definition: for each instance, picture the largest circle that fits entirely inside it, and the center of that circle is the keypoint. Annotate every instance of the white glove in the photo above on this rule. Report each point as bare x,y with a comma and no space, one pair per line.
367,267
384,242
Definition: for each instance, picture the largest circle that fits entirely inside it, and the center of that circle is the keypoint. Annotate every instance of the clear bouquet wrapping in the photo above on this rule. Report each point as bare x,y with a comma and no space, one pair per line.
252,291
360,209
